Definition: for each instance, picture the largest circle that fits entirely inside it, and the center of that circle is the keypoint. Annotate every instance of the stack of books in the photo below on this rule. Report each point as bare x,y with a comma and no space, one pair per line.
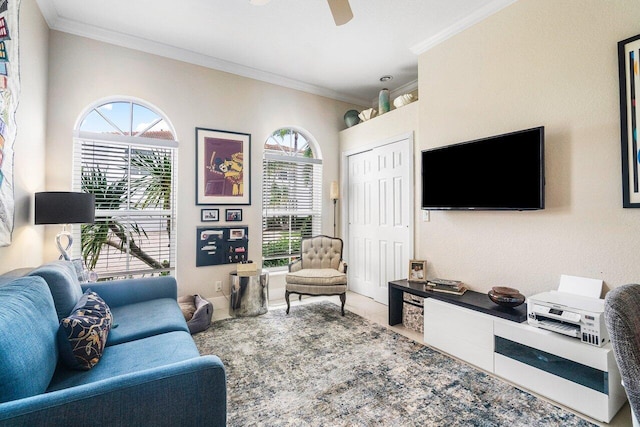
455,287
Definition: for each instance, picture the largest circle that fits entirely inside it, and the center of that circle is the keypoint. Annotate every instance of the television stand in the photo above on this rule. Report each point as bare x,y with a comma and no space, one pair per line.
472,300
498,340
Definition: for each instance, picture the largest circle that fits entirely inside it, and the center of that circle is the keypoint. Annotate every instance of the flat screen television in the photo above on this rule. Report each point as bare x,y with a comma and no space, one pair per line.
502,172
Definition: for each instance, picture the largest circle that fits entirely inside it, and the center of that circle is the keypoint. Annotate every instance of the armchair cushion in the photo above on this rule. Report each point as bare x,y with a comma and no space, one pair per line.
321,252
317,276
83,334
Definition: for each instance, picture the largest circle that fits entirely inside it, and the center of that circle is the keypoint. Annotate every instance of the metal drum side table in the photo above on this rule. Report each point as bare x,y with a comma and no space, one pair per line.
249,293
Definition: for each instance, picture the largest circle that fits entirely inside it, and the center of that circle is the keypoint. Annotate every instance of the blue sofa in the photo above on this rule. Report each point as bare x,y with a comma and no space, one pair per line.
150,372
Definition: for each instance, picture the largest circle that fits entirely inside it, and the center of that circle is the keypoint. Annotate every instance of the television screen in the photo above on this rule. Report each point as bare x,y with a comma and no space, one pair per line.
499,172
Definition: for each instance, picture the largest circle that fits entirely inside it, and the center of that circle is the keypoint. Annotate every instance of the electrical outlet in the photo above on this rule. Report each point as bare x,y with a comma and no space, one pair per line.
425,216
218,285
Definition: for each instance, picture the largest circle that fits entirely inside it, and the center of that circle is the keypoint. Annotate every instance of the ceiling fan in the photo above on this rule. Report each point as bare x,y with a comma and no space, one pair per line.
340,9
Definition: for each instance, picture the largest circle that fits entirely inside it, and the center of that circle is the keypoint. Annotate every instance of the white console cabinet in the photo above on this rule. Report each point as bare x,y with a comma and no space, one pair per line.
463,333
578,375
563,369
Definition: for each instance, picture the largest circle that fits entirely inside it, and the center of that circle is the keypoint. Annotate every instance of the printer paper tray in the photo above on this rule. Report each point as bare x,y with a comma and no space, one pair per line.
561,328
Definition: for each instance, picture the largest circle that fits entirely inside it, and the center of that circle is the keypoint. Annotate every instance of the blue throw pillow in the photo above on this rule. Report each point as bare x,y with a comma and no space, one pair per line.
83,334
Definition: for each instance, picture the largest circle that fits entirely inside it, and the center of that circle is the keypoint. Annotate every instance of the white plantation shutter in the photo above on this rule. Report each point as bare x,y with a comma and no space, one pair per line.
132,176
291,205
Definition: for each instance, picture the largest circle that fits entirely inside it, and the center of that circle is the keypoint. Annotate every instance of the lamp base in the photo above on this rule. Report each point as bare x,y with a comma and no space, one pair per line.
64,251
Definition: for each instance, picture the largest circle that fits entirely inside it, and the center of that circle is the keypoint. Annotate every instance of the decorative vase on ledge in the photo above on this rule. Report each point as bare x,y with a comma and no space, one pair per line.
383,101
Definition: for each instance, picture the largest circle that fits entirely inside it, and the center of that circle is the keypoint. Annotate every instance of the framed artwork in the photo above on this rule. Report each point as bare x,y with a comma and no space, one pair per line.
233,215
209,215
629,73
417,271
9,100
223,171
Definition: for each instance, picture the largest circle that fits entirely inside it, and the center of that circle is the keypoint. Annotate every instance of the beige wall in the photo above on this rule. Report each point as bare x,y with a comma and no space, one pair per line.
537,62
29,148
82,71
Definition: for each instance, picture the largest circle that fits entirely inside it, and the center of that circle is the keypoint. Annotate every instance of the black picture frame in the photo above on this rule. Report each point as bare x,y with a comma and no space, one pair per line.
223,167
233,215
209,215
629,75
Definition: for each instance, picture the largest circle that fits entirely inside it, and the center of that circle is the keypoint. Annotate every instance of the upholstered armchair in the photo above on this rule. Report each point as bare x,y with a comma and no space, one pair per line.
622,317
319,271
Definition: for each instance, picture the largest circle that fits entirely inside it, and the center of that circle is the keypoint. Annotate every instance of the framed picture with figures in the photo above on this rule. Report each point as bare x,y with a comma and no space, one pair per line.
223,171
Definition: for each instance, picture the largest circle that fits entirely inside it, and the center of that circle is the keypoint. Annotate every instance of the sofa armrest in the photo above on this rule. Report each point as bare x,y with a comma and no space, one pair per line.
192,392
342,267
130,291
295,266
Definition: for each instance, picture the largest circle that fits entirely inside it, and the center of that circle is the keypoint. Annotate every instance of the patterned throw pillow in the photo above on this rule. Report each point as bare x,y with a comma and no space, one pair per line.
83,334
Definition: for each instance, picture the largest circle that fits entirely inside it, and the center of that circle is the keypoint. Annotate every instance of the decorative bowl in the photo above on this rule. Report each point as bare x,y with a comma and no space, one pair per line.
351,118
367,114
402,100
506,297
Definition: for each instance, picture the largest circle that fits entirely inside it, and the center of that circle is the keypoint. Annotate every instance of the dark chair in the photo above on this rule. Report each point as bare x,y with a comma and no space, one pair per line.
319,271
622,317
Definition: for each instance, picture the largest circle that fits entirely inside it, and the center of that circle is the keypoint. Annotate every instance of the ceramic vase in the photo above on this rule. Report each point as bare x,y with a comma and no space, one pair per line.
383,101
351,118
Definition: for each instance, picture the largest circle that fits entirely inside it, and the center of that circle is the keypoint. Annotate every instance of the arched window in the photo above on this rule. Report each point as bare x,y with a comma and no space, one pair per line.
125,152
291,194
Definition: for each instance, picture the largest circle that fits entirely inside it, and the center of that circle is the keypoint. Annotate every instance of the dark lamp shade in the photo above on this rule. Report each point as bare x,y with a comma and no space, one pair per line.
64,207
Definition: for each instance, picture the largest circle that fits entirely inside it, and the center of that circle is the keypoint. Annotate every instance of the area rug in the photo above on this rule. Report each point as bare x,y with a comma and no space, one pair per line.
314,367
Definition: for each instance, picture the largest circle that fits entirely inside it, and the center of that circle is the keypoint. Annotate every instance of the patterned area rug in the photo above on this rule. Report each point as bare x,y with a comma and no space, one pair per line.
317,368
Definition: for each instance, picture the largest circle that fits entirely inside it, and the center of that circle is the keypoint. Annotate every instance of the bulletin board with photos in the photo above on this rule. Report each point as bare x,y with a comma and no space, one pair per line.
221,245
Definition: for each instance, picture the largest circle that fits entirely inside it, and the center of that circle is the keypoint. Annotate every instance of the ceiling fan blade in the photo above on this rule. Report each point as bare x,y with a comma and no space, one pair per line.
341,11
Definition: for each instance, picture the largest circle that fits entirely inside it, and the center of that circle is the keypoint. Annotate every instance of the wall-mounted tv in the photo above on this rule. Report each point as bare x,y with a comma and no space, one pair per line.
502,172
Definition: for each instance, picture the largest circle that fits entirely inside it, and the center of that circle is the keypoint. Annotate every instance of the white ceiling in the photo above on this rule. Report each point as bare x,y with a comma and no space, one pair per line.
293,43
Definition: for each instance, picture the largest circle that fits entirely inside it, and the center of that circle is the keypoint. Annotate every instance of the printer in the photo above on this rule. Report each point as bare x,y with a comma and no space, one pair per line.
571,311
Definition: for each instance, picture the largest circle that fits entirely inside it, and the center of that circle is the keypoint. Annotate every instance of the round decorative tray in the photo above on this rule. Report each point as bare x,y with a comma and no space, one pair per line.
506,297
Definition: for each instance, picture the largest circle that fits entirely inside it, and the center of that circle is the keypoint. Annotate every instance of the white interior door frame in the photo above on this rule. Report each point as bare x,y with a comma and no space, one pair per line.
344,187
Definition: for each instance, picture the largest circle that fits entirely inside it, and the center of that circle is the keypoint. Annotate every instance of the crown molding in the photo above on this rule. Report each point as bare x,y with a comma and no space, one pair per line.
461,25
136,43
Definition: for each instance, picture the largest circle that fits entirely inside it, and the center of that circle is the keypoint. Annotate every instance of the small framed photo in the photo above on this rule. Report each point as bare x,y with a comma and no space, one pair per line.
210,215
418,270
233,215
236,233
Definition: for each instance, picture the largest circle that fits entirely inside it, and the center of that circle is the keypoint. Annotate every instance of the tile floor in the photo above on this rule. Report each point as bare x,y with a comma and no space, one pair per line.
378,313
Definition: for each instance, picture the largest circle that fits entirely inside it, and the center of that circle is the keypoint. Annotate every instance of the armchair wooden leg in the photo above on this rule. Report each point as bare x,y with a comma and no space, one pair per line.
343,299
286,297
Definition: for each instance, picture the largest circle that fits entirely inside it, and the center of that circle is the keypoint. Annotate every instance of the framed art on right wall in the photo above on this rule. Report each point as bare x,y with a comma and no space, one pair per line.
629,74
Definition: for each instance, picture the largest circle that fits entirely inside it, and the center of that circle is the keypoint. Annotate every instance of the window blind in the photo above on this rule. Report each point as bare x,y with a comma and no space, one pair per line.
291,203
134,231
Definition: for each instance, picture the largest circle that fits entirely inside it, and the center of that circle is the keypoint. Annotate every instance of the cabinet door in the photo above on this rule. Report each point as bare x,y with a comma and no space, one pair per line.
462,333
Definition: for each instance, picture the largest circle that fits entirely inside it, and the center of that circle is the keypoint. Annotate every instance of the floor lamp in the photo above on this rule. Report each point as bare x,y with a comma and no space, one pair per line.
335,195
64,207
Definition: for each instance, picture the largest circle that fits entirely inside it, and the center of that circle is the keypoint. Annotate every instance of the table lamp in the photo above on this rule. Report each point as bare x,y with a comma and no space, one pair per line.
64,207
